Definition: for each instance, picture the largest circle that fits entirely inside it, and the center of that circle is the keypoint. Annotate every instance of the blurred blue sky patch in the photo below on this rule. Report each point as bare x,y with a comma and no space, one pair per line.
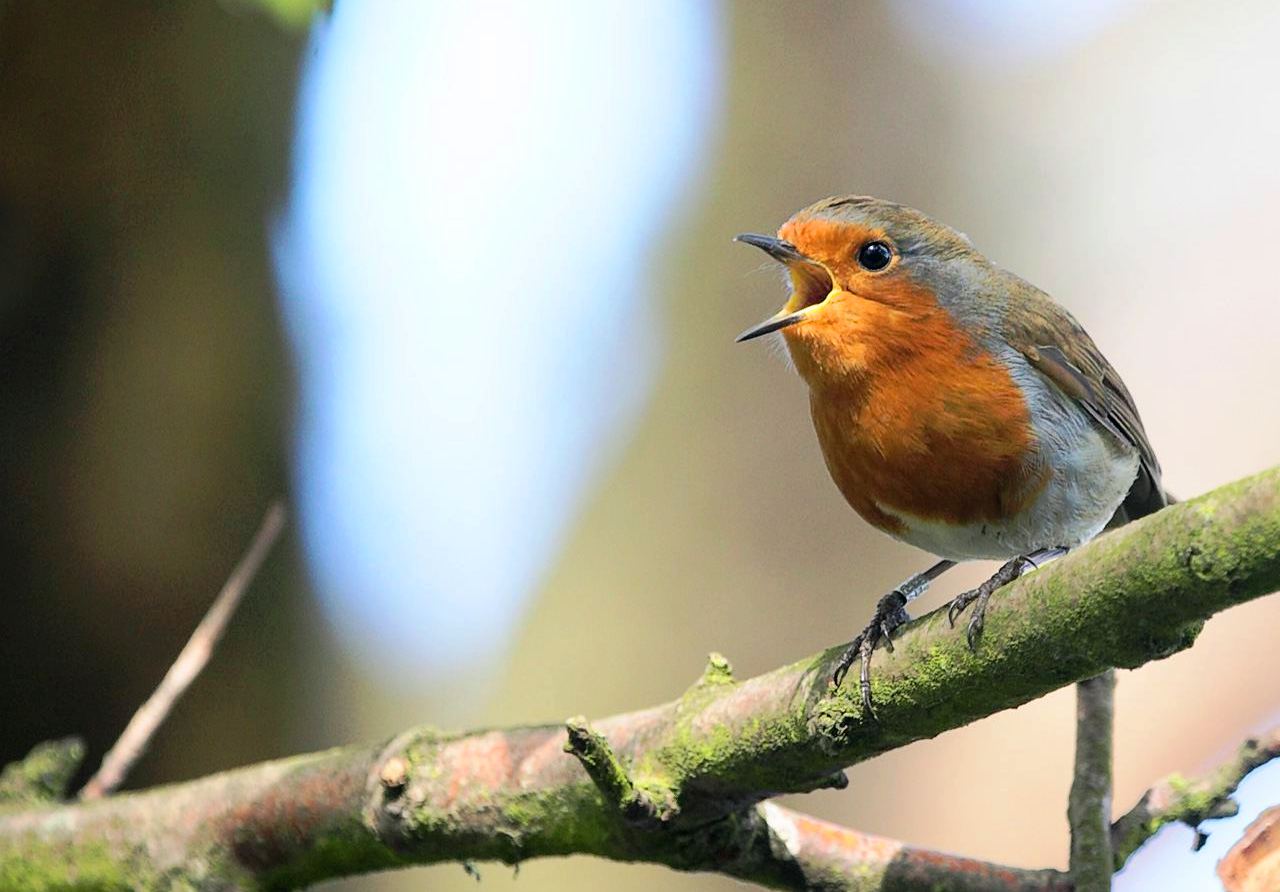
978,32
464,262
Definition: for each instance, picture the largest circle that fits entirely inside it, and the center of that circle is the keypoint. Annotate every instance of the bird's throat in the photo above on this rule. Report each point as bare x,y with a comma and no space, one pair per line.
810,286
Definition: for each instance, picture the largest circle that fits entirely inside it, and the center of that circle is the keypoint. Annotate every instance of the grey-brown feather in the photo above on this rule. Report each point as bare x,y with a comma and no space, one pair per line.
1056,345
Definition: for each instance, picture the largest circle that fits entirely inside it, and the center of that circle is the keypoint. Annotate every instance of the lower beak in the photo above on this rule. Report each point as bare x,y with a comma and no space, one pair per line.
772,324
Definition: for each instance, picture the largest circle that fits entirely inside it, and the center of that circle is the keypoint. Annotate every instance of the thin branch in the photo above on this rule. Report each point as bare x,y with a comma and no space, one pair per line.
136,737
1089,805
1134,595
1190,800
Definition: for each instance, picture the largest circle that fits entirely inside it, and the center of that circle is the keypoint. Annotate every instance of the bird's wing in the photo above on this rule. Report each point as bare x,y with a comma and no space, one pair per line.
1056,346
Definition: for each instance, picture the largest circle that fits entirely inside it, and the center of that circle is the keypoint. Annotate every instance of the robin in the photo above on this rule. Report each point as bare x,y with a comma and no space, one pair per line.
959,408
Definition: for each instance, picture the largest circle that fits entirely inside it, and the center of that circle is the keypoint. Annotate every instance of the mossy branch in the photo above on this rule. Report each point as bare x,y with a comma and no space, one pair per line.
1134,595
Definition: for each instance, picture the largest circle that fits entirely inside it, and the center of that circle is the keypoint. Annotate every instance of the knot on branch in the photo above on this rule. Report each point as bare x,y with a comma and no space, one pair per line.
637,807
716,676
393,802
44,775
717,672
394,775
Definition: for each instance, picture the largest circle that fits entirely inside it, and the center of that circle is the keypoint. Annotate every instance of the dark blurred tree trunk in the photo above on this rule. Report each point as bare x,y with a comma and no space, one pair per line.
143,382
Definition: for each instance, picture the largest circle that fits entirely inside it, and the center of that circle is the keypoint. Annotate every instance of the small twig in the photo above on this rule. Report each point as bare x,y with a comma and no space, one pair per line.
1190,800
1089,806
137,735
600,763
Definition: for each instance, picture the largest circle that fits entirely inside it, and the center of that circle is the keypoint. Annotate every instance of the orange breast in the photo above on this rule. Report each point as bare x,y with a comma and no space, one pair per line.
929,425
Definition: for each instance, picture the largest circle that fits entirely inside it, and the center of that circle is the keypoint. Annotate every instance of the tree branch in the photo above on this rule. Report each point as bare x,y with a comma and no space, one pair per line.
1190,800
1089,805
292,823
1134,595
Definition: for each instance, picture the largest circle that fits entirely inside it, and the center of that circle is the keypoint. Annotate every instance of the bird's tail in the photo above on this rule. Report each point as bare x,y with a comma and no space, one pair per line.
1140,502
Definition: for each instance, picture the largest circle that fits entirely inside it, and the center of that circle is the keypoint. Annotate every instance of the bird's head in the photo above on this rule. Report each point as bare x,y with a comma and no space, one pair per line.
869,279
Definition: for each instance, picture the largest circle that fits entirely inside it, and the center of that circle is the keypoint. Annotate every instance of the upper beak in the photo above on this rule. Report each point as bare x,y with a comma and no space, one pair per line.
779,250
784,252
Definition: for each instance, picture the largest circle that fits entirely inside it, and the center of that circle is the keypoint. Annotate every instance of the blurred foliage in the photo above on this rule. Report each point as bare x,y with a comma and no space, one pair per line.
144,389
290,13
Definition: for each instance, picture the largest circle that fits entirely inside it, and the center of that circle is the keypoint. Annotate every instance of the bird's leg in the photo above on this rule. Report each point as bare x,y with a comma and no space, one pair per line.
982,594
891,612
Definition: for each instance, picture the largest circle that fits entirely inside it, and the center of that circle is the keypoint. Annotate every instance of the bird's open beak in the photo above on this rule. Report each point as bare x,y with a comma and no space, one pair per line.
811,283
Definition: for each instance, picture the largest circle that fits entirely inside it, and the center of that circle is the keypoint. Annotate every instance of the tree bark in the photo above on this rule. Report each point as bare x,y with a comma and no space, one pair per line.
1089,804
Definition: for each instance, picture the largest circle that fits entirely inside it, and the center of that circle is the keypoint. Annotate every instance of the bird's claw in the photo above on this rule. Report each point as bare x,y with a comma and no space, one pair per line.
976,621
958,604
846,660
981,595
884,637
891,612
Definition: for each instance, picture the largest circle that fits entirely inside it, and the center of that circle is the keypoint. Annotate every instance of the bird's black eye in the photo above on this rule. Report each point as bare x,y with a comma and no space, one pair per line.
874,256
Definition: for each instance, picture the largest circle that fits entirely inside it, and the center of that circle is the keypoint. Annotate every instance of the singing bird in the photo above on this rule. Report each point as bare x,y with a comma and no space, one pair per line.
959,408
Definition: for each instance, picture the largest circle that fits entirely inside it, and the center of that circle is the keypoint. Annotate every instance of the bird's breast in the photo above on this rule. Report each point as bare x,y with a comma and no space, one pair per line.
940,438
971,461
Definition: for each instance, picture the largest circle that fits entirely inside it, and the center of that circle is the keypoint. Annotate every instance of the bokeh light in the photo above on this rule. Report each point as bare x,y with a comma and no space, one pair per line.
1007,32
478,189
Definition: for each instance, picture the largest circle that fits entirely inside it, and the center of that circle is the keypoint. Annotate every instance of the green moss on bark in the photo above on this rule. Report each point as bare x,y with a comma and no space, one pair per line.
43,776
91,867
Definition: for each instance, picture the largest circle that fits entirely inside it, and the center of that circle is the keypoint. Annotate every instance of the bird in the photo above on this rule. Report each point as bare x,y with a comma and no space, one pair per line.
959,408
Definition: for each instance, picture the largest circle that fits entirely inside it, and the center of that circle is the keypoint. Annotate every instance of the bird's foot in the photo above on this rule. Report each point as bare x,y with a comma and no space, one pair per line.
979,597
891,612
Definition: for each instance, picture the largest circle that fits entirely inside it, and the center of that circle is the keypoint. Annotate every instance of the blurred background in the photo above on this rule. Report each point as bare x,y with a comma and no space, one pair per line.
458,280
